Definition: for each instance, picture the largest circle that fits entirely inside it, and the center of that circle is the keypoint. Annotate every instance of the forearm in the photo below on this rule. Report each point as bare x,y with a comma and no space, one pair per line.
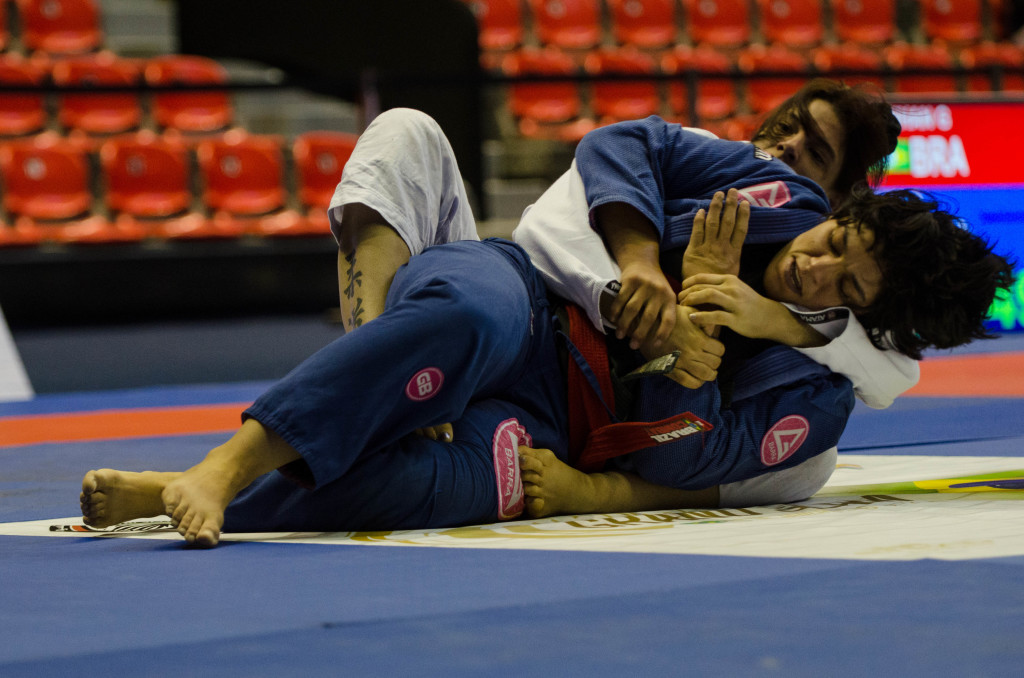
785,328
630,237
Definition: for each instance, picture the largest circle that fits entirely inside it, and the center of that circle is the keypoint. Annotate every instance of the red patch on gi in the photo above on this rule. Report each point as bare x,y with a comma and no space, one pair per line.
509,435
783,439
771,194
425,384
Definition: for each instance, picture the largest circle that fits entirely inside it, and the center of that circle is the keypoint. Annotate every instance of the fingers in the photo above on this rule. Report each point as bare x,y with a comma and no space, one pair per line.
708,318
644,314
739,233
685,379
655,325
714,218
699,296
727,218
704,279
697,235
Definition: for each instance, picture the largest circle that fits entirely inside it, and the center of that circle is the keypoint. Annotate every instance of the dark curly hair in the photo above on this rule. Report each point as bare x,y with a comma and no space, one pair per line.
870,129
939,279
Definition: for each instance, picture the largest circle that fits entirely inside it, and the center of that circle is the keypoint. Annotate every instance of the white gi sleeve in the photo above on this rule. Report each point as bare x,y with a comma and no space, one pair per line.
878,376
556,233
404,168
780,487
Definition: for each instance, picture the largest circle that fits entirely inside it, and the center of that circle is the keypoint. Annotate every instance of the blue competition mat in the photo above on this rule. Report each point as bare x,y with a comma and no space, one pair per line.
689,599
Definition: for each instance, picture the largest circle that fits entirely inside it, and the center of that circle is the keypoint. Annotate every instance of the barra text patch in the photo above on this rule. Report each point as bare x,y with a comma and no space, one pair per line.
509,435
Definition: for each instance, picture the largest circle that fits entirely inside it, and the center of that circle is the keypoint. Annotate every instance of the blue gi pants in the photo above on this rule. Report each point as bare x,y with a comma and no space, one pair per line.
467,338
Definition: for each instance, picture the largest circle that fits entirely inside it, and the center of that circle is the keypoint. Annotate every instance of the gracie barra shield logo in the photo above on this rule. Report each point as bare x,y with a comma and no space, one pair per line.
784,439
509,435
771,194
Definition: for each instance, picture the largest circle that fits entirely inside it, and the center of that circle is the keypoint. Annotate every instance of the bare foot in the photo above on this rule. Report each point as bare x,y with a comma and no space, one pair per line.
196,501
552,487
443,432
110,497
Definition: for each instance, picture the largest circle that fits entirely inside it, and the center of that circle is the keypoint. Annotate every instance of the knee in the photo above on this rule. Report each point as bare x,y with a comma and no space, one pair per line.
409,122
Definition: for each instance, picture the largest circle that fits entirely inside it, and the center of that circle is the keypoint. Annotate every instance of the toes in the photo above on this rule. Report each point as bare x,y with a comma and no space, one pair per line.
535,507
89,483
208,535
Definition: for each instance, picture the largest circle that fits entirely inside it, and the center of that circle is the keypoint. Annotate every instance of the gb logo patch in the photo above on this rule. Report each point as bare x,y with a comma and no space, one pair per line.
783,439
425,384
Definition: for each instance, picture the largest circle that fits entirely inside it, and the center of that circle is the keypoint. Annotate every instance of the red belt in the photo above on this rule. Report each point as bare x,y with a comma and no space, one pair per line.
593,438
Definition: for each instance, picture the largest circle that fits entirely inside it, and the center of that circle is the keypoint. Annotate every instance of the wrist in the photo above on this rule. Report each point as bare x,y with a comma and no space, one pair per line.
792,331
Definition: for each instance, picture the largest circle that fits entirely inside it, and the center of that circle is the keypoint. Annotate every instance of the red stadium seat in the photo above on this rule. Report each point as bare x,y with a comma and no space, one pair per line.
1004,64
500,23
22,233
147,184
146,175
643,23
47,190
795,23
21,112
622,99
570,24
60,26
201,110
101,113
242,173
864,21
902,57
545,109
45,177
5,31
715,97
542,101
767,92
833,60
319,159
96,229
723,23
243,184
957,22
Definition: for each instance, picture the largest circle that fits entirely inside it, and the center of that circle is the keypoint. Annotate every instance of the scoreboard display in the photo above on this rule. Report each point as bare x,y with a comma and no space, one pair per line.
970,157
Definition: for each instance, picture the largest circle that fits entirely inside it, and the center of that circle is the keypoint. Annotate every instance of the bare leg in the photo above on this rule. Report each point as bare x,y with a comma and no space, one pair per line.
110,497
197,498
552,487
370,252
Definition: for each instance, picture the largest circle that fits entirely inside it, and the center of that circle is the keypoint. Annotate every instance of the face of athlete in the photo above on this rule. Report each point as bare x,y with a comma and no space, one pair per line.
829,265
815,154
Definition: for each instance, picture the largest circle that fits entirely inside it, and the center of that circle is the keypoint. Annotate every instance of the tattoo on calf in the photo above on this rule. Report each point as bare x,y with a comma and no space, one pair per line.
354,280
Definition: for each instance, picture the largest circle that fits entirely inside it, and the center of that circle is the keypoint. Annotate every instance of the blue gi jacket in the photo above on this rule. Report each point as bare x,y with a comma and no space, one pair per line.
786,408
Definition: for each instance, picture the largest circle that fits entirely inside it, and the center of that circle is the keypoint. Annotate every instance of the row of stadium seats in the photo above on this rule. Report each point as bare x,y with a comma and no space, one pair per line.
110,112
146,185
749,83
584,24
56,27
